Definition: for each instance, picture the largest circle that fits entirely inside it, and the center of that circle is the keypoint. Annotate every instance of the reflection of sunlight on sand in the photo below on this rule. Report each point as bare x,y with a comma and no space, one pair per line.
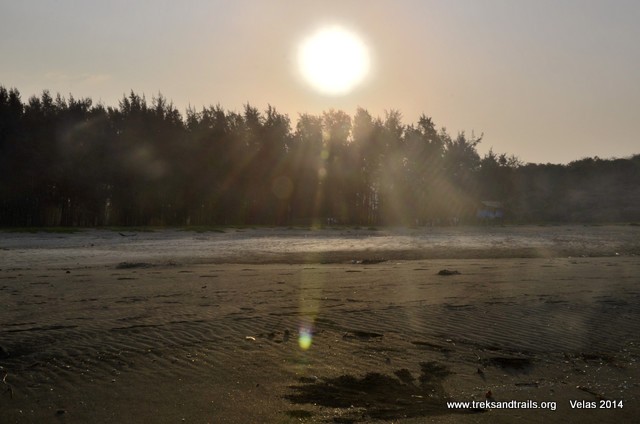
310,296
311,288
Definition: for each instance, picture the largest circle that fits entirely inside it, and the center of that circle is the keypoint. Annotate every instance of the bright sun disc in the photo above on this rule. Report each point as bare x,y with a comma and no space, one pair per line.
333,60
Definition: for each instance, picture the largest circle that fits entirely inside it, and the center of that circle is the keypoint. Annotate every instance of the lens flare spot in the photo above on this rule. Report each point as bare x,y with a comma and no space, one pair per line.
304,340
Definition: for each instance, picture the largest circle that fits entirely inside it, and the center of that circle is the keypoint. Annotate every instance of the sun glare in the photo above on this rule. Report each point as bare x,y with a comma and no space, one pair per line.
333,60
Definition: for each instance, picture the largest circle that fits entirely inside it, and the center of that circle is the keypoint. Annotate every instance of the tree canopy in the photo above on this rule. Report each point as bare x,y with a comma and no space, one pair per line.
70,162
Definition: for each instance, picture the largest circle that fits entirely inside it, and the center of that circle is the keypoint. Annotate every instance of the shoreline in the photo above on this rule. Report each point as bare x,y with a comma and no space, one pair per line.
278,245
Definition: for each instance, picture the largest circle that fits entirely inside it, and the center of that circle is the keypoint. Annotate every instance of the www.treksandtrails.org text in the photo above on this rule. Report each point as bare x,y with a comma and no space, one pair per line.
513,404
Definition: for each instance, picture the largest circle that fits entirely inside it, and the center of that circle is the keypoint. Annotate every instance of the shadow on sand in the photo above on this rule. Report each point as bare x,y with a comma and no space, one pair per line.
378,396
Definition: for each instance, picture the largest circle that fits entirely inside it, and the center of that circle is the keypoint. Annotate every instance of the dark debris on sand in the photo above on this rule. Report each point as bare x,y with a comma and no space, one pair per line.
379,396
367,261
131,265
509,363
448,272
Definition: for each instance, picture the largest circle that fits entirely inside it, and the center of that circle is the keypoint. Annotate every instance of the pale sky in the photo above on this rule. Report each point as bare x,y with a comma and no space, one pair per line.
546,80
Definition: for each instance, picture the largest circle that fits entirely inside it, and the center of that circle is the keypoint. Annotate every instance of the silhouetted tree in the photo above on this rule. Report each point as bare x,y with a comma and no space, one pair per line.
334,203
367,154
424,170
308,168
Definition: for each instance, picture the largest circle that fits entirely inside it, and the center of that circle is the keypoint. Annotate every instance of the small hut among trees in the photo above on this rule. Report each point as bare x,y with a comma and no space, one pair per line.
490,211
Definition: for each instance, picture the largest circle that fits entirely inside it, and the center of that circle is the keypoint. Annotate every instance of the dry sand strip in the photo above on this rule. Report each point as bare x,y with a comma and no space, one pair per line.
390,341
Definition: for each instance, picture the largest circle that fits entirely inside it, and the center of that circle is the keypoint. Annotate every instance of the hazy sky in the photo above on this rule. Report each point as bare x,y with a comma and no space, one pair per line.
548,81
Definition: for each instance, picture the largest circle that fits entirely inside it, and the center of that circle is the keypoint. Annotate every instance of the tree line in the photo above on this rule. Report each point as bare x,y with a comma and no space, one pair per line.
70,162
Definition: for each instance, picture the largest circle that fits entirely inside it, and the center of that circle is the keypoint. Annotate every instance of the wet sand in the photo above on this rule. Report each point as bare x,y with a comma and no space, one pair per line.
326,334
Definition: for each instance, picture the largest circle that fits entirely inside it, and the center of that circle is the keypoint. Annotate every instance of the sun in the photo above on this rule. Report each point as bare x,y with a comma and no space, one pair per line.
333,60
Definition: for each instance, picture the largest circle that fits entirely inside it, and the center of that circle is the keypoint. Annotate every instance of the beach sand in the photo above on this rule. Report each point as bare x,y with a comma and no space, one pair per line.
289,326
